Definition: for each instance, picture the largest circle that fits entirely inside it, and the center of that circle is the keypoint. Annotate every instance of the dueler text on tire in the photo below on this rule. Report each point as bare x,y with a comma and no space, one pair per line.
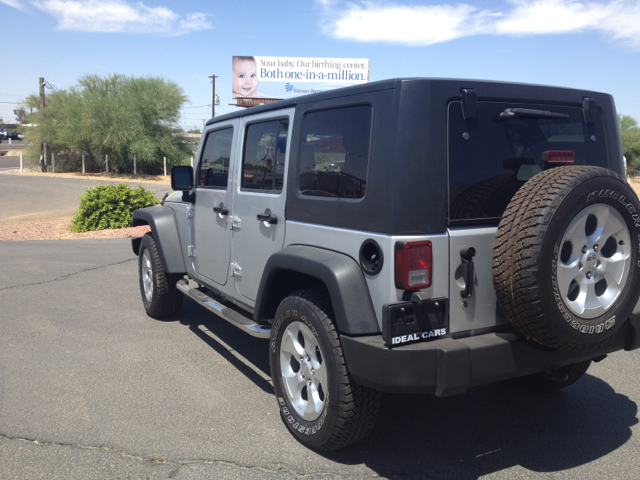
566,264
319,402
160,295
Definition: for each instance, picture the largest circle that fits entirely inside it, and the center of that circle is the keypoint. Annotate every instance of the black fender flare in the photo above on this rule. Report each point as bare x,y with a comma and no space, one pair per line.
164,229
312,266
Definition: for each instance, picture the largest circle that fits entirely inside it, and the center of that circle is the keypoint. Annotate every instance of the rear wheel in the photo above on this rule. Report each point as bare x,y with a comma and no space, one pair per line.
318,400
160,295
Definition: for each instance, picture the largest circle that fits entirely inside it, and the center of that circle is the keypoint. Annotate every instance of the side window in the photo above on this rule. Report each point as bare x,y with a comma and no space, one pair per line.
265,147
334,152
214,163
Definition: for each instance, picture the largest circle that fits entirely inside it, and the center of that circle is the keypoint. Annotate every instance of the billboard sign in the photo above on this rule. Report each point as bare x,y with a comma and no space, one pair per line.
286,77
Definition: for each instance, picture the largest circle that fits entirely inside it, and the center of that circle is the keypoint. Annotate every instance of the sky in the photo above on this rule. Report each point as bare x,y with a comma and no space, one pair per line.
584,44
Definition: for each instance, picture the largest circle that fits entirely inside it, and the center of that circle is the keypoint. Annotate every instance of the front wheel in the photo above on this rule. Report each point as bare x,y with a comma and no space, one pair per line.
160,295
318,400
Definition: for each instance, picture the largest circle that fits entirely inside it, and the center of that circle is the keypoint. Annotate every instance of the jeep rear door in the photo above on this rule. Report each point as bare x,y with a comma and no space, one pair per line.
259,197
490,156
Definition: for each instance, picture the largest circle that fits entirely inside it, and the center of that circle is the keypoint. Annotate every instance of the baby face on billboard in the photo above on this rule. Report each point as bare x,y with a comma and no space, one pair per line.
245,77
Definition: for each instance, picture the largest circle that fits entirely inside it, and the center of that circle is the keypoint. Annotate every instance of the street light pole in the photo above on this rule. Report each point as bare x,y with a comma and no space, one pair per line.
42,150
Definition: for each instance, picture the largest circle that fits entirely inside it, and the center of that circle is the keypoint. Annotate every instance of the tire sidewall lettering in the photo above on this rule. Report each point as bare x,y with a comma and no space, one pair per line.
625,201
299,425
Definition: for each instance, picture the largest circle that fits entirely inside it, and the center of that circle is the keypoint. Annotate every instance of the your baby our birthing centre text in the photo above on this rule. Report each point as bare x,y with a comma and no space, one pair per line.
303,69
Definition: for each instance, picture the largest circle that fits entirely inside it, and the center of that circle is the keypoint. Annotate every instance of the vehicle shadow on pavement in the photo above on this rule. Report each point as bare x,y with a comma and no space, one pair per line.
495,427
224,338
486,430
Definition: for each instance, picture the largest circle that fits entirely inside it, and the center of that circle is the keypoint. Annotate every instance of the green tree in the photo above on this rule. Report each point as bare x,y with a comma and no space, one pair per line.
630,135
20,114
115,115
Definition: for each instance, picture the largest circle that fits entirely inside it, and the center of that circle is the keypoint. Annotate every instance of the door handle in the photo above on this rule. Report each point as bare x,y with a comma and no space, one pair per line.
221,209
268,217
466,256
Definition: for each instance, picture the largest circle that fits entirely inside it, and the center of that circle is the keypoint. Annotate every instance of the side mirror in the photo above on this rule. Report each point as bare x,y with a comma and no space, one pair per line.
182,177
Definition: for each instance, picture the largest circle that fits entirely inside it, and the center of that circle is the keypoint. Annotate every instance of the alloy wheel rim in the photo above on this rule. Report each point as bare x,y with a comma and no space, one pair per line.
303,369
146,272
593,261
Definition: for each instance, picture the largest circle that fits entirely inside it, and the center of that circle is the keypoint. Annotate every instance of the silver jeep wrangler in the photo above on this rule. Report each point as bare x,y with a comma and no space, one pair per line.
409,235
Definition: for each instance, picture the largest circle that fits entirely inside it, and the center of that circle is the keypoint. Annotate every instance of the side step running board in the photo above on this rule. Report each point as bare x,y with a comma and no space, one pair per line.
242,322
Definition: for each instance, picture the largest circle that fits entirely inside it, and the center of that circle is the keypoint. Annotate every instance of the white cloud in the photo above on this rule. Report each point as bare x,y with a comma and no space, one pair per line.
425,25
195,21
617,18
15,4
410,25
116,16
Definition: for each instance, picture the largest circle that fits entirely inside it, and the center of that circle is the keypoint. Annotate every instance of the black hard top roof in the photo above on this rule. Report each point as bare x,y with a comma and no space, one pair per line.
491,88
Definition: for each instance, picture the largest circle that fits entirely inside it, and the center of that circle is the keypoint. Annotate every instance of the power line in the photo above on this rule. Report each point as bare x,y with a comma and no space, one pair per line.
50,85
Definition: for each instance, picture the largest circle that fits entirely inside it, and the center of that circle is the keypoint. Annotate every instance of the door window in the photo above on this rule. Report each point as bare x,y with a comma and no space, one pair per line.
214,164
265,147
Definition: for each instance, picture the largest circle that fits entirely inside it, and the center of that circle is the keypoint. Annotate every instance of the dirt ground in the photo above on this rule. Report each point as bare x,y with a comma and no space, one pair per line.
101,176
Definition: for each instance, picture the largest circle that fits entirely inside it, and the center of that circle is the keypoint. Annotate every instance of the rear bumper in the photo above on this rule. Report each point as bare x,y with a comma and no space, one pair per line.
449,366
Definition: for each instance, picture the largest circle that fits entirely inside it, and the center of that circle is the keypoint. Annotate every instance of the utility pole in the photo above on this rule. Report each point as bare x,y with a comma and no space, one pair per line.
42,152
213,96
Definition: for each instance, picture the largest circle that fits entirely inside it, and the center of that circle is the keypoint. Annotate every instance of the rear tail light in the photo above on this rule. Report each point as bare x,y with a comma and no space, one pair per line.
559,156
414,262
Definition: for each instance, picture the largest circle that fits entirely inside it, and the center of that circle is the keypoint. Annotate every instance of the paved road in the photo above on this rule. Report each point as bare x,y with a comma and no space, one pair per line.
27,195
92,388
15,144
9,162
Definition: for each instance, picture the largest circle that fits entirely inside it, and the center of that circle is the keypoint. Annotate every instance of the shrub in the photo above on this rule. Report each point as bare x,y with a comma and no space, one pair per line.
110,206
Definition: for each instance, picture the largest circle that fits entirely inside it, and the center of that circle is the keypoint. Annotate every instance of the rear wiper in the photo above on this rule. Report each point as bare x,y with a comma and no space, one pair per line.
510,113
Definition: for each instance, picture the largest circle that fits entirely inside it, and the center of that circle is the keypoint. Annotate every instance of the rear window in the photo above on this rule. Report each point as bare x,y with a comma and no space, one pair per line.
493,155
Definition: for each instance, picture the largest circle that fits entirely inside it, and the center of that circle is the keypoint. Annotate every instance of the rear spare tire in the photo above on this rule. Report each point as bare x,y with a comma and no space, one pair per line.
565,262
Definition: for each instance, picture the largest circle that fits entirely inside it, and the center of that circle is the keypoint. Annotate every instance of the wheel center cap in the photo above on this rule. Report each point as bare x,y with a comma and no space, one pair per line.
592,260
306,371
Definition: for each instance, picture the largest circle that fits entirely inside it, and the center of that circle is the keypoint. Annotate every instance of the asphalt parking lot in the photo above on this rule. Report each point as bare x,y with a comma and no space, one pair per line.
90,387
